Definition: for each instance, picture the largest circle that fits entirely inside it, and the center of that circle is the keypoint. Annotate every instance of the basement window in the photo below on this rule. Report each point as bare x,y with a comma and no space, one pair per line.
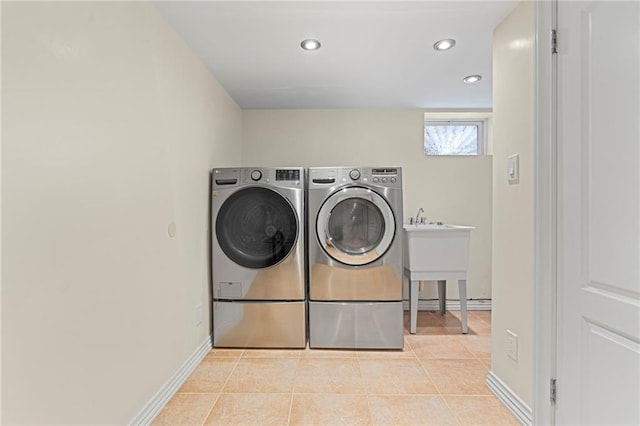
455,137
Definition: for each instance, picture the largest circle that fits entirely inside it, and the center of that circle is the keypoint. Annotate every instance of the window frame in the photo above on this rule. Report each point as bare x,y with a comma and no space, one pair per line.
481,123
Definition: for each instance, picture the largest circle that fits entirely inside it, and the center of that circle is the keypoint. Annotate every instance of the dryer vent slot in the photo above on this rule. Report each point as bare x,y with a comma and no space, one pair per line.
327,180
226,181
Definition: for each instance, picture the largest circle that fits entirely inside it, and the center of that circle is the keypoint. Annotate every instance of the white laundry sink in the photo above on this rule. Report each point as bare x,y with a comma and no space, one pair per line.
436,252
436,248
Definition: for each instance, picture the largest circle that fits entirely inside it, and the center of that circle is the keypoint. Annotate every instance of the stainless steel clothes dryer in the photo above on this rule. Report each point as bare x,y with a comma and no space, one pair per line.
355,257
258,258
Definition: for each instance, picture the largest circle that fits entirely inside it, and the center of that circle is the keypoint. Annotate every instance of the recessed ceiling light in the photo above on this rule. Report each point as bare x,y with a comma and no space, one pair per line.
446,44
472,79
310,44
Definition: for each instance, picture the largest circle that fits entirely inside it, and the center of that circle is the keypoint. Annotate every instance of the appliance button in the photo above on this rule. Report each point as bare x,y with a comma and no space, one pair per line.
256,175
393,180
376,180
354,174
384,180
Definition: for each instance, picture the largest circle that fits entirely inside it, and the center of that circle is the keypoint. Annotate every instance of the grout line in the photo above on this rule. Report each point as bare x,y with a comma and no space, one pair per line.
429,376
293,385
365,390
211,409
446,403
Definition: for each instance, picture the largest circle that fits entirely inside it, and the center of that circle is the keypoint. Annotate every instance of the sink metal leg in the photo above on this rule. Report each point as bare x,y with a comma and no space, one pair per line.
413,305
462,289
442,296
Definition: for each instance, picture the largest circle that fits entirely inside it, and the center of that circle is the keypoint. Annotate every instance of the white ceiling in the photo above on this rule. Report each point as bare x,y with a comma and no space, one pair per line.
374,54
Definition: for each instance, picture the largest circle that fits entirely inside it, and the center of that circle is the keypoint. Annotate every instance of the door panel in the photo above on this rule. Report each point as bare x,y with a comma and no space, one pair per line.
599,213
601,346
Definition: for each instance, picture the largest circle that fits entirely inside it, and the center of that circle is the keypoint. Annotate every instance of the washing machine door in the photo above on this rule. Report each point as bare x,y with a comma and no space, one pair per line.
256,227
355,226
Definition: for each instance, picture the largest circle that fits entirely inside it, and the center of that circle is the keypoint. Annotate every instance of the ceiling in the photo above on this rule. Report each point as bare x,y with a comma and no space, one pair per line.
374,54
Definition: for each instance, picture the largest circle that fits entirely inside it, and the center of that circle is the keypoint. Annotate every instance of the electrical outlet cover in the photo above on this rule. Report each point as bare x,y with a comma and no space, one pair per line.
511,345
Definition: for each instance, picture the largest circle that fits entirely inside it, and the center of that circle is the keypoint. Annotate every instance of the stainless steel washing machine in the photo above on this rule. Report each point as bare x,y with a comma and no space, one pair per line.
258,257
355,257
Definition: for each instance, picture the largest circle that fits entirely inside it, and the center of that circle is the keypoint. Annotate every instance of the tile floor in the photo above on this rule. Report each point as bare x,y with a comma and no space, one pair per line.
439,378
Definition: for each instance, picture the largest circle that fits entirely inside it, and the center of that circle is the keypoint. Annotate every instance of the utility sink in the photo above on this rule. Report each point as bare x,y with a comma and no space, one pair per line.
436,252
437,248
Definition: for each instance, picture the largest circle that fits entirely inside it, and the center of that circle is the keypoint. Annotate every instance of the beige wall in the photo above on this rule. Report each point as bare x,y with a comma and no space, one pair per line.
109,128
450,189
513,133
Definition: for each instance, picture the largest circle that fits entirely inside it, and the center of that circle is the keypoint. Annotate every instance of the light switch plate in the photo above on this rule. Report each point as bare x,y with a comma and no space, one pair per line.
513,168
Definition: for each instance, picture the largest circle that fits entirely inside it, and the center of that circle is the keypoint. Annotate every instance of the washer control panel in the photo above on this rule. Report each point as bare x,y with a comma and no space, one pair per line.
285,177
389,177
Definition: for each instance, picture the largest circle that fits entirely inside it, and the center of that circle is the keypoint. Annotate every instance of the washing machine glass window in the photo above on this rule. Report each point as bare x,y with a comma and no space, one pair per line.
355,226
256,227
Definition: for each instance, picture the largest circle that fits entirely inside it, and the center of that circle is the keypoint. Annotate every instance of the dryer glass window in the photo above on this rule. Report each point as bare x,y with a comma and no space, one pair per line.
356,226
256,227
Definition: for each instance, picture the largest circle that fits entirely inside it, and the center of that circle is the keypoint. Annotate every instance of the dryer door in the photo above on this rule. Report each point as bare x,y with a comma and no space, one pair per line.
355,226
256,227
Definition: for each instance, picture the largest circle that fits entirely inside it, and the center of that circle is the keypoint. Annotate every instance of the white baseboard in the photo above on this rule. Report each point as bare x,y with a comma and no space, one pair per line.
166,392
519,409
452,305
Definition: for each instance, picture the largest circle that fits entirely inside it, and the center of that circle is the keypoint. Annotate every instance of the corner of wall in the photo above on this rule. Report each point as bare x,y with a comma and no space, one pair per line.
513,133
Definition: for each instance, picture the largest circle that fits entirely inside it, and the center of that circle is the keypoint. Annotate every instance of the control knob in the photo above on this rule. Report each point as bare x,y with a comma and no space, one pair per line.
354,174
256,175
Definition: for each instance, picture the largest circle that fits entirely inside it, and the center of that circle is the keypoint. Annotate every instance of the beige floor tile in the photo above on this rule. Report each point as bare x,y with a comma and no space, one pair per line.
479,346
332,386
210,376
457,331
329,409
480,410
225,353
405,353
457,376
477,326
483,315
476,323
426,319
473,330
438,347
271,353
389,377
486,362
251,409
433,331
253,375
328,375
328,353
452,319
410,410
186,409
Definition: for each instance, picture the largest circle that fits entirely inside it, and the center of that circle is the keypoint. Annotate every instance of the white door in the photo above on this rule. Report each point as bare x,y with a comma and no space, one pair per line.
598,364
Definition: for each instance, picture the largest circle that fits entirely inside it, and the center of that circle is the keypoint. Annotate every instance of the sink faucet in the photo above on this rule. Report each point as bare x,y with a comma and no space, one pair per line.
420,210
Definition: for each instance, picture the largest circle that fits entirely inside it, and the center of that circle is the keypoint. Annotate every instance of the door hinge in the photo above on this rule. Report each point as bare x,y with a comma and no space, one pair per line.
554,41
553,391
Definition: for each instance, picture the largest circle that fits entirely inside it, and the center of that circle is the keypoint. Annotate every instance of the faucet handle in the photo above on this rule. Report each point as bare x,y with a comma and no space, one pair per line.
410,221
